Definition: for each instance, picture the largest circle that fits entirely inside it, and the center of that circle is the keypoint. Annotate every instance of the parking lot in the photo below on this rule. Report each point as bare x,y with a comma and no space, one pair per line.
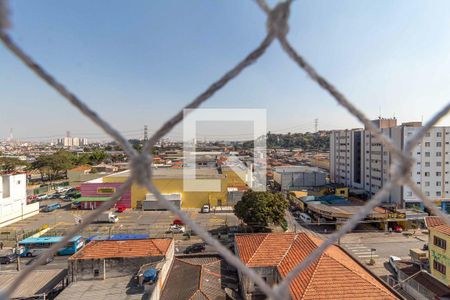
154,223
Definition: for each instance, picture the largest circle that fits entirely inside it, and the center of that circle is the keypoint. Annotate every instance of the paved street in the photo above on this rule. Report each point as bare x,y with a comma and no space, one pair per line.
386,244
359,244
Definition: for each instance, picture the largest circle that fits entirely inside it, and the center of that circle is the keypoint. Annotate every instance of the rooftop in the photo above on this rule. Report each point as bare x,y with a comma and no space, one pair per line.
195,277
111,288
424,278
123,248
295,169
37,283
437,224
161,173
335,275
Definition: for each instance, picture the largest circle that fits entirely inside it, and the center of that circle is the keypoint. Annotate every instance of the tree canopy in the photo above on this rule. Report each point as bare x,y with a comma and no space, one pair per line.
261,208
10,164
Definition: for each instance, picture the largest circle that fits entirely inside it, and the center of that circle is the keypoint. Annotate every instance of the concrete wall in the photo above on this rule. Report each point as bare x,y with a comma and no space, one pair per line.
85,269
163,272
248,287
13,200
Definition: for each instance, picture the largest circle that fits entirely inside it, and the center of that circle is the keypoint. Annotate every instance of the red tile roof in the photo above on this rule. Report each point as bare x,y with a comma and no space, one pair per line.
124,248
433,221
335,275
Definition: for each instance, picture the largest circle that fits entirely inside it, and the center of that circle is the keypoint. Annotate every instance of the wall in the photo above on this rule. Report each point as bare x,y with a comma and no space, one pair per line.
248,287
91,190
440,255
13,200
164,272
84,269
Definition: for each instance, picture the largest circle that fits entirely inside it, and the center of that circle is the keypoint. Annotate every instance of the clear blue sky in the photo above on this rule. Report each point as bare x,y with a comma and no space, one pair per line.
137,62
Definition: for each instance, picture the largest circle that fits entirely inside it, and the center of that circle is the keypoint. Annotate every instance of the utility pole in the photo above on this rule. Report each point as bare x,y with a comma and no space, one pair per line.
145,132
18,253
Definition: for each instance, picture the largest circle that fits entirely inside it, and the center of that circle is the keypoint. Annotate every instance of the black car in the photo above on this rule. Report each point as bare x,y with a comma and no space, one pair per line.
195,248
8,258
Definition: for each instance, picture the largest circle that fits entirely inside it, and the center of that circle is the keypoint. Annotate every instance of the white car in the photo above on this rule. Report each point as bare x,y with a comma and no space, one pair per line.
42,197
393,261
177,229
205,208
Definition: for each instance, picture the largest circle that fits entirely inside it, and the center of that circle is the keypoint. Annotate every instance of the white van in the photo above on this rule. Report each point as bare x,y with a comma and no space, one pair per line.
393,262
305,218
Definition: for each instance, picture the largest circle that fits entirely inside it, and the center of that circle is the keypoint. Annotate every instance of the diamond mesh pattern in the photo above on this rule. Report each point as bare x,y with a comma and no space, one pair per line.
140,164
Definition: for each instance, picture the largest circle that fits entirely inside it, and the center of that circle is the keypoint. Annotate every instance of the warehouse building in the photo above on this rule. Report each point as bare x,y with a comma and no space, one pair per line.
291,178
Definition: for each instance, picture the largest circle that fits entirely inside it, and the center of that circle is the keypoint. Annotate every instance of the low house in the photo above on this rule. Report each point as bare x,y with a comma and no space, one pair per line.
198,277
334,275
420,284
116,258
439,253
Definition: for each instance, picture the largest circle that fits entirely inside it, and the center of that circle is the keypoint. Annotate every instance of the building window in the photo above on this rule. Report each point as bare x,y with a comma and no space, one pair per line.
427,154
96,272
427,164
438,164
438,194
438,183
438,154
439,267
427,183
427,134
438,173
438,134
418,182
438,144
441,243
418,153
427,193
427,174
427,144
409,194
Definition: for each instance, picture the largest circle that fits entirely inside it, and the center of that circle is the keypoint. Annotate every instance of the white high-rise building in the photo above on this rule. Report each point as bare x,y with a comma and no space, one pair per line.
358,160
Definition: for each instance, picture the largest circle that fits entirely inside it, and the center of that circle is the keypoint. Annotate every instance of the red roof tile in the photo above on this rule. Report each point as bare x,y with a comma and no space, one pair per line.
125,248
335,275
433,221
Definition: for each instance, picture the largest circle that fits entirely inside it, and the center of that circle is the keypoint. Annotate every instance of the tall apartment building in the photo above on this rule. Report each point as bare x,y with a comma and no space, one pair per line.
359,160
72,142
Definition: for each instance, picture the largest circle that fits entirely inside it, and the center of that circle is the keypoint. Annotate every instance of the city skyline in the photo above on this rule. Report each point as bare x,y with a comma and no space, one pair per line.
157,62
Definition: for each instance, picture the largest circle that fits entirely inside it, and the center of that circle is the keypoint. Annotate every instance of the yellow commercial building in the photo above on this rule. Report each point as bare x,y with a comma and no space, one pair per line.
439,249
208,187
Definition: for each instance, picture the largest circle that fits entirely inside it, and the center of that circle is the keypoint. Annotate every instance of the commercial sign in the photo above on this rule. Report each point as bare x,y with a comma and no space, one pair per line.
106,190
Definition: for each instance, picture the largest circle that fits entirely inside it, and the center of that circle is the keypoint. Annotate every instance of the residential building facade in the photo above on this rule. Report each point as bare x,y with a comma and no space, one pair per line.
359,160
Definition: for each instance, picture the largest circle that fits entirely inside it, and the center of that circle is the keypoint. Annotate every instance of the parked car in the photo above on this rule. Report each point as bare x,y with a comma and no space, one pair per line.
397,228
51,207
67,198
176,229
305,218
177,222
47,260
393,261
195,248
120,209
55,196
7,256
205,208
42,197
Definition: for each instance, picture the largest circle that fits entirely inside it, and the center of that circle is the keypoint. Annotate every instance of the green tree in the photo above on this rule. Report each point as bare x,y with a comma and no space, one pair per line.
53,165
97,156
261,208
10,164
